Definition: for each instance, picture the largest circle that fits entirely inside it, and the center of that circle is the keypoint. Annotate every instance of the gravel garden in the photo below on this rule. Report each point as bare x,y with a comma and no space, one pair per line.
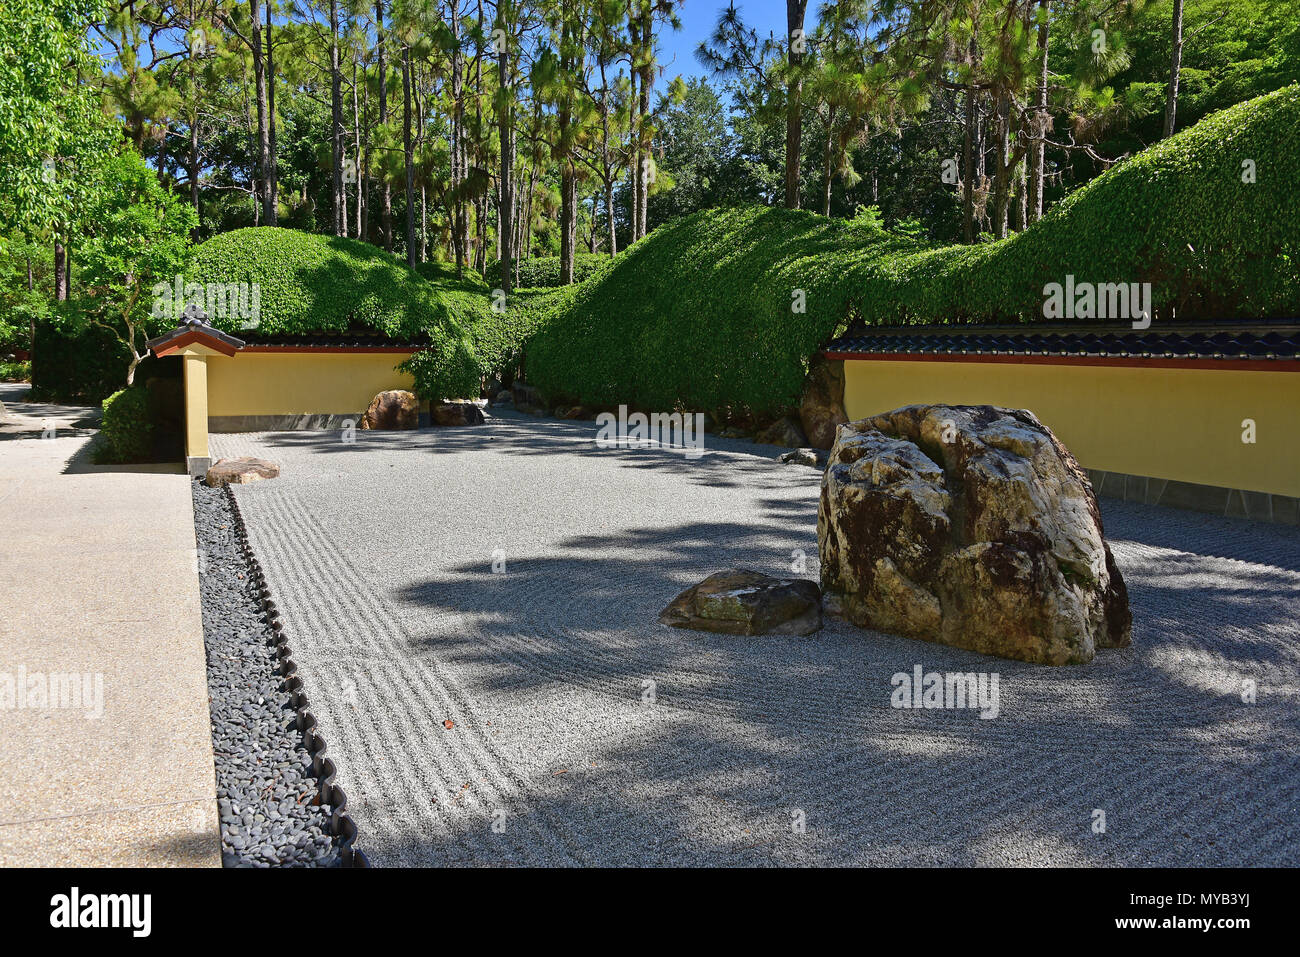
493,683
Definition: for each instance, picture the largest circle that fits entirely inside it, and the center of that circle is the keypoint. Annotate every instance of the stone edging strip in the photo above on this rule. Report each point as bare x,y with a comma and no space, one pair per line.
341,824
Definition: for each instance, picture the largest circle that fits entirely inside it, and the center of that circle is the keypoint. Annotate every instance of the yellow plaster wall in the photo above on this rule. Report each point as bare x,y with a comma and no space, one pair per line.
301,383
1181,424
196,405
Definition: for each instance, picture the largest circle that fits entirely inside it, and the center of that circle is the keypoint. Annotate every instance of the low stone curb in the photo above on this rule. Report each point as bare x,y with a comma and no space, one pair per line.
341,824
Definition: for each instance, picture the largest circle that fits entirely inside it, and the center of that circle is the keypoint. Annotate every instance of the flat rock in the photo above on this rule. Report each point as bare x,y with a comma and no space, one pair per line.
816,458
743,602
971,526
394,409
240,471
466,412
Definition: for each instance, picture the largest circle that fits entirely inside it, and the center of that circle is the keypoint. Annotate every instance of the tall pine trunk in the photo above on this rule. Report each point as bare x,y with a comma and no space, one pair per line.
1037,148
794,15
263,135
387,200
505,126
1175,68
273,166
411,258
336,125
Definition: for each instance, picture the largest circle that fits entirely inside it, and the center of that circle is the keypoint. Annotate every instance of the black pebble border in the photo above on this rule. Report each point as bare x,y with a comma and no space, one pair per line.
332,799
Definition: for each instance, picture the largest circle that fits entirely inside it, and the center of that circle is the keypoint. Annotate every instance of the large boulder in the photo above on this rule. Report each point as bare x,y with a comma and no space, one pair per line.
972,526
394,409
240,471
821,408
456,412
743,602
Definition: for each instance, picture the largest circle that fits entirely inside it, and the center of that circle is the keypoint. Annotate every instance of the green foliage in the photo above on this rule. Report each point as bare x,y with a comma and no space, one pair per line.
139,237
51,126
15,371
699,314
126,429
1177,215
71,365
311,283
543,272
447,369
20,307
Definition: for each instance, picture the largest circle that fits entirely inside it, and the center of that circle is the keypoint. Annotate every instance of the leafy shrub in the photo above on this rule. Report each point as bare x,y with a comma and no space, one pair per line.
15,371
126,432
310,283
447,369
543,272
701,313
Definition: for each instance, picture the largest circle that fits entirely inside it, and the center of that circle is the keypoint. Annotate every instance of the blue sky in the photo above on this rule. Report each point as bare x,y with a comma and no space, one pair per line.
699,17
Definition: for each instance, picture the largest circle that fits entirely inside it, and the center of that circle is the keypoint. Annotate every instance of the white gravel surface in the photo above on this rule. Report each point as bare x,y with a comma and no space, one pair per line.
380,557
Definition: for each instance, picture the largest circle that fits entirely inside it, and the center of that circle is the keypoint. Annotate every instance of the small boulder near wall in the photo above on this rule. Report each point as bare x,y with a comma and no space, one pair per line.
743,602
394,409
821,408
463,412
972,526
240,471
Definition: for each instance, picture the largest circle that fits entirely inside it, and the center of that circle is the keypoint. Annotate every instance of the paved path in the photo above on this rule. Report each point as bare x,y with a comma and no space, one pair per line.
98,578
380,556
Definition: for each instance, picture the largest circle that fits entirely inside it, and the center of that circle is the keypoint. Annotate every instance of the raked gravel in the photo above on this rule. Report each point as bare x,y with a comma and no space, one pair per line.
267,796
540,714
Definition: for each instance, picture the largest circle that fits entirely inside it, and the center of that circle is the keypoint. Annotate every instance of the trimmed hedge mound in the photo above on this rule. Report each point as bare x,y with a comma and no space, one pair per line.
312,283
704,312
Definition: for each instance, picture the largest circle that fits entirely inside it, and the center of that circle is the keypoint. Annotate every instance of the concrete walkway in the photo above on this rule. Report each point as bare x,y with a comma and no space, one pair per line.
98,586
583,732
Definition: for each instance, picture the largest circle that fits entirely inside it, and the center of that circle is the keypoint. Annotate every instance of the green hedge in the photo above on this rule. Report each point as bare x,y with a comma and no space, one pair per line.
543,272
126,431
1177,215
700,312
312,283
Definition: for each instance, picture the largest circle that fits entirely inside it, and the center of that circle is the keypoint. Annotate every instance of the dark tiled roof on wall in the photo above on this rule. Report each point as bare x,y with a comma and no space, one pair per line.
1265,341
332,340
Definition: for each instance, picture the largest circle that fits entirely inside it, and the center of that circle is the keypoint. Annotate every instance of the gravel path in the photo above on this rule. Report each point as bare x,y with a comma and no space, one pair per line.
380,555
267,796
